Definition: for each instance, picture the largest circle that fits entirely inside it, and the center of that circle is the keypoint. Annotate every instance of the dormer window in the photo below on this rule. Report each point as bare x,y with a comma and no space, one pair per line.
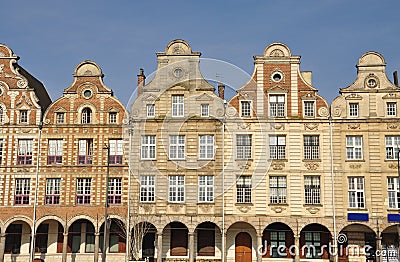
245,107
309,108
277,105
353,109
60,118
150,109
177,105
23,116
86,115
391,108
112,118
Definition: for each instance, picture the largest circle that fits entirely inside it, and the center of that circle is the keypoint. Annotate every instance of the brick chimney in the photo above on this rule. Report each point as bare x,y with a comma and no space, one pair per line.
221,91
140,81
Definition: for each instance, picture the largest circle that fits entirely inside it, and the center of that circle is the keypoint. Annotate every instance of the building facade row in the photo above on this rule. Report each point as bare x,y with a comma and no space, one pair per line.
273,174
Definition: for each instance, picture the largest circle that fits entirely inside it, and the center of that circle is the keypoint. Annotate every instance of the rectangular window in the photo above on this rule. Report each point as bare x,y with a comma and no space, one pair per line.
23,116
243,189
204,110
356,192
151,110
53,191
391,108
277,147
25,152
311,147
1,151
278,239
312,190
60,118
353,109
392,147
112,118
22,191
206,188
55,151
206,147
243,146
176,189
116,151
83,191
147,188
354,147
313,244
277,105
177,147
277,189
114,191
393,192
245,107
85,156
148,147
177,105
309,110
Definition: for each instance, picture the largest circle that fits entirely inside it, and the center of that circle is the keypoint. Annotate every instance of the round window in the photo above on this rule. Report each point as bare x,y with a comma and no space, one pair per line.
371,82
87,93
277,76
178,72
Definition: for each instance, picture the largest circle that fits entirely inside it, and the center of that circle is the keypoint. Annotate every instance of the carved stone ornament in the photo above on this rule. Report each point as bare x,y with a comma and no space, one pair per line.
2,54
355,166
278,126
277,53
353,126
311,165
278,209
1,68
25,99
278,165
337,111
323,111
205,208
244,125
311,126
392,126
231,111
393,166
244,165
244,209
220,112
146,208
313,210
176,207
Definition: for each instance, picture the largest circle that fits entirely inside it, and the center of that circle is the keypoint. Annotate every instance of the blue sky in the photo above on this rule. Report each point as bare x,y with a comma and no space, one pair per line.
52,37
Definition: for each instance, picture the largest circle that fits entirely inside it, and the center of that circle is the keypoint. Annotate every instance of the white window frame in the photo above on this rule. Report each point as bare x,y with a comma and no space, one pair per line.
393,192
309,112
243,148
85,151
23,116
392,110
116,151
53,191
356,192
206,189
55,151
206,147
112,117
60,118
177,147
311,147
148,148
25,152
178,105
243,189
354,109
354,148
277,189
83,191
392,144
176,189
150,110
147,188
115,191
277,107
245,111
277,147
312,190
204,110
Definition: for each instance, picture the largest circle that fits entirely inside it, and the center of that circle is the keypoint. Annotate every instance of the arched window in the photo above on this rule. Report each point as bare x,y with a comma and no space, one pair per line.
86,115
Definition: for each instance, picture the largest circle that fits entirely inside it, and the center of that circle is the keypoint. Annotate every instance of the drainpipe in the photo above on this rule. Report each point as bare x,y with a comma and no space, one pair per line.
223,184
333,188
128,217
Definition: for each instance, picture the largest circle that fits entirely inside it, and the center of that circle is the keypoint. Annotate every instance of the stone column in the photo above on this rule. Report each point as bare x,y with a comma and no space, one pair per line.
96,246
65,245
379,247
2,246
259,247
297,244
191,246
159,246
224,252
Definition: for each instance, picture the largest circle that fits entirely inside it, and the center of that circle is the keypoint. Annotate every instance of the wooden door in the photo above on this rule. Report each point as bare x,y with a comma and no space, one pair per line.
243,247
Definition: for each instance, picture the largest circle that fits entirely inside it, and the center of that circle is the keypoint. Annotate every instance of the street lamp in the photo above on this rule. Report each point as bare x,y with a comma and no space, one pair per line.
104,253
